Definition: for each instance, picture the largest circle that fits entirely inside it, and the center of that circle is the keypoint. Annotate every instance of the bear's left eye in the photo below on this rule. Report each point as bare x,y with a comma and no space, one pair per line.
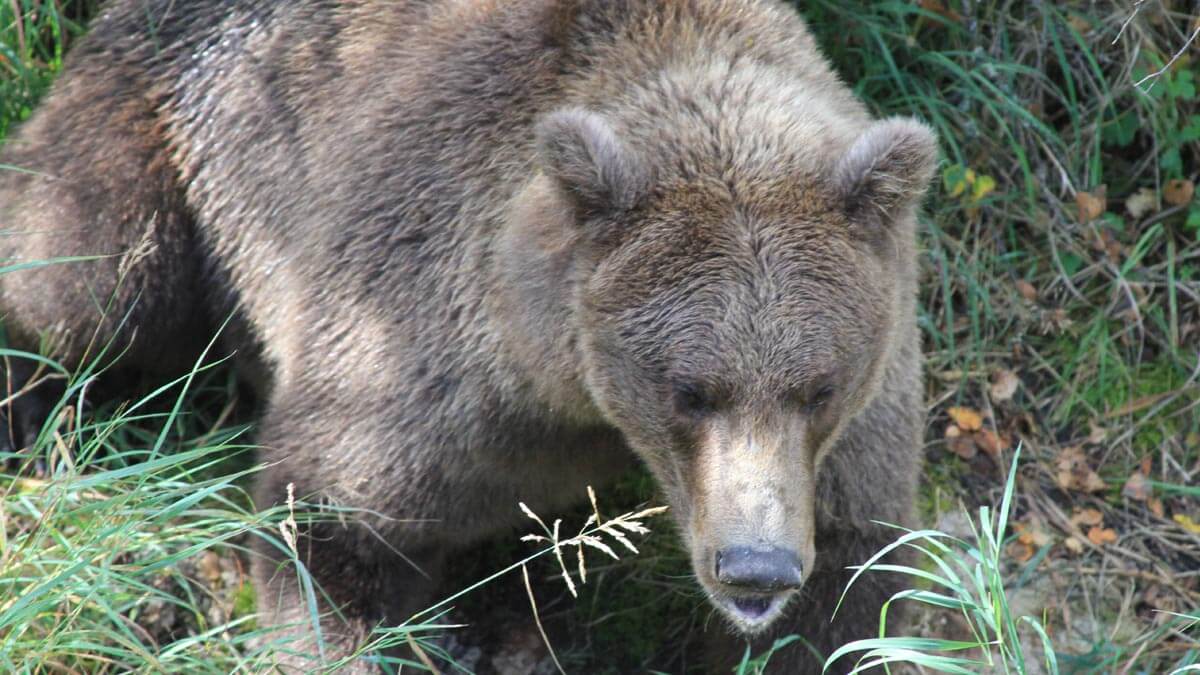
693,400
818,399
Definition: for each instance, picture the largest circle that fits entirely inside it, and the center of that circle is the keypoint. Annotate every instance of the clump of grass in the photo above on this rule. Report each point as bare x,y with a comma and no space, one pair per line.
100,557
34,35
966,577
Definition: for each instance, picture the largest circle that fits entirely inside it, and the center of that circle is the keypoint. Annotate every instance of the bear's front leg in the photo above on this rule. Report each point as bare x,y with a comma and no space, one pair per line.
364,532
358,582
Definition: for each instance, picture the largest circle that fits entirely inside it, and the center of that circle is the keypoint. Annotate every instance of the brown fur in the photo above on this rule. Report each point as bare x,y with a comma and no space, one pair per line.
485,250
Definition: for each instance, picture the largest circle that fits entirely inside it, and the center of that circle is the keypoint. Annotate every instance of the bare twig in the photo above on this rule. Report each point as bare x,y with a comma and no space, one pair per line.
1158,73
1137,7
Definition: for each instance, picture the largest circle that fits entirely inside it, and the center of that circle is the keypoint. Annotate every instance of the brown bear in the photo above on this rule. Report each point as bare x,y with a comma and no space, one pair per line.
491,252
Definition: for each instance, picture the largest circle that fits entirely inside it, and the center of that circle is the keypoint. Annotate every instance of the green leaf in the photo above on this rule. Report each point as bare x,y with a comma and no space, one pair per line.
1191,132
1120,130
1170,161
1193,220
1183,85
1071,263
954,179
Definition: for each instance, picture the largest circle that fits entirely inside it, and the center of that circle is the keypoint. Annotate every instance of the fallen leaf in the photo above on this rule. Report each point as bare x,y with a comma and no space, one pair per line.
966,418
1004,385
1033,534
989,442
1107,243
1187,523
959,443
1092,482
1113,248
1079,24
1056,321
1020,551
1096,433
1074,545
1179,192
1102,535
1091,205
1156,507
1141,203
1146,464
1087,517
1027,290
1136,487
1074,473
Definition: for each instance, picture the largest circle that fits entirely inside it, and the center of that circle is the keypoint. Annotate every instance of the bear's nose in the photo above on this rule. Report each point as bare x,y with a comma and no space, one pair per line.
775,569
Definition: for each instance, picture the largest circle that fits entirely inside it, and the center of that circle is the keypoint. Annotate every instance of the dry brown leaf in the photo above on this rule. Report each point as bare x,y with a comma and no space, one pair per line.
1027,290
1179,192
1146,464
1096,433
1004,385
961,445
966,418
1075,474
1102,535
1141,203
1092,482
1156,507
1020,551
1136,487
1087,517
1107,243
1074,545
1070,455
1080,24
1033,534
1091,205
990,442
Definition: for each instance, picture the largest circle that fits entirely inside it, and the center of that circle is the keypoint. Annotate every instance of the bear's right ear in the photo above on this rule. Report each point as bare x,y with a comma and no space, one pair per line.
886,171
580,150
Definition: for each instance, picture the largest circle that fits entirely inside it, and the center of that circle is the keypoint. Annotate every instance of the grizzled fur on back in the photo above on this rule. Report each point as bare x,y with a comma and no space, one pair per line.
489,252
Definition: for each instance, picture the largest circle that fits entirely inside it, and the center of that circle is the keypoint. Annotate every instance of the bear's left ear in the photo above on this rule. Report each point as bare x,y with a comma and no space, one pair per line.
886,171
580,150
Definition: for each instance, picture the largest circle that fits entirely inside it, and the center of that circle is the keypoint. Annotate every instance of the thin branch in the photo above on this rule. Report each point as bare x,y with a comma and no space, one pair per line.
1156,74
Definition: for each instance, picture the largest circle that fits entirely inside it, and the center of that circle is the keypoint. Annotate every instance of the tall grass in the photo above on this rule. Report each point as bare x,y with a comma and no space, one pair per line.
34,35
112,531
968,578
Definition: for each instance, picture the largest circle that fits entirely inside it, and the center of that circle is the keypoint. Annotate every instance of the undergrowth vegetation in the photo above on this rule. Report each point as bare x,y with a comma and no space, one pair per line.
1061,314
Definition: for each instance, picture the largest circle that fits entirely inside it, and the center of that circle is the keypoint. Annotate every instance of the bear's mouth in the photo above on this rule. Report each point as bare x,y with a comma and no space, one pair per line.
753,613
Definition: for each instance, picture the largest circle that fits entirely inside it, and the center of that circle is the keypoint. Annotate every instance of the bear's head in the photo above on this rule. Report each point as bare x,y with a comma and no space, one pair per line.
734,292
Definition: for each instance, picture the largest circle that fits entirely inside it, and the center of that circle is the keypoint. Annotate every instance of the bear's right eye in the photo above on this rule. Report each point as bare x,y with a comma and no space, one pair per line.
692,400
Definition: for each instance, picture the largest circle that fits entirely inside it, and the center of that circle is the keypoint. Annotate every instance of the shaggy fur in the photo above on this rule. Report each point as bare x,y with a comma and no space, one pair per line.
488,252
